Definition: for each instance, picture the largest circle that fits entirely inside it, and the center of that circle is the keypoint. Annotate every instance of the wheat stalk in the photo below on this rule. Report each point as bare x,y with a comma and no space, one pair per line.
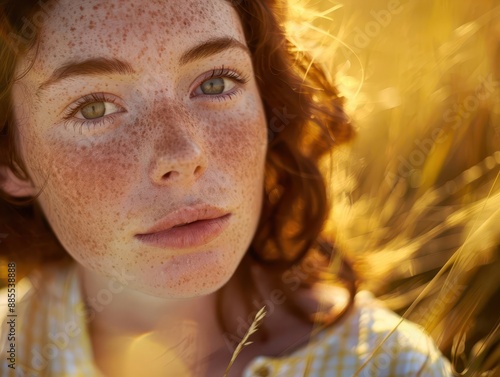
253,328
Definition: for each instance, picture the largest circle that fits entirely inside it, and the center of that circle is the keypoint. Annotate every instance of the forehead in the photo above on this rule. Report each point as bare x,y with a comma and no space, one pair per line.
129,29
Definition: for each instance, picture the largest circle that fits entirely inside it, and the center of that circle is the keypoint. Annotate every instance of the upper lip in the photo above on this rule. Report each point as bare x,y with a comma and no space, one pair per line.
186,215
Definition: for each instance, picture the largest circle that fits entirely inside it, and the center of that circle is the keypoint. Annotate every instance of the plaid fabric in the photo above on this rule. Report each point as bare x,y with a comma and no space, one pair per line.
363,345
52,340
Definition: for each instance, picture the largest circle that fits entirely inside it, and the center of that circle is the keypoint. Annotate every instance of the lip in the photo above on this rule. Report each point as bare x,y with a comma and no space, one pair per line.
206,224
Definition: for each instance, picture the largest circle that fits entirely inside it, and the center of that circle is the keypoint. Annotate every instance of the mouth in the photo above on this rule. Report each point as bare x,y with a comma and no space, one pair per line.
186,228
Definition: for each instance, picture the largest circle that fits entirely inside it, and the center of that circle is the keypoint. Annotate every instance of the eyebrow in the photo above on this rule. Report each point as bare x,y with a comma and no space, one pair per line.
102,65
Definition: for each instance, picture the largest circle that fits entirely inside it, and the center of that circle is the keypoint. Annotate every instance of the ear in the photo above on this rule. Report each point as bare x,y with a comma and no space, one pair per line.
14,186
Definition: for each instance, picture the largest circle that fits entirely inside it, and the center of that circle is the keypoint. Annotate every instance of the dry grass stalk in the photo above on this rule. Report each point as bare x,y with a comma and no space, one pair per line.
253,328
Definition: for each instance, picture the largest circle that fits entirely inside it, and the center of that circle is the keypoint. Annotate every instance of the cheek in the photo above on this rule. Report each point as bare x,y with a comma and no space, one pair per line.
89,173
98,172
239,142
85,188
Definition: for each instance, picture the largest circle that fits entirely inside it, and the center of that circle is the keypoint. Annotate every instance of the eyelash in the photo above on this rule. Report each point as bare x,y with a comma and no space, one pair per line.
220,72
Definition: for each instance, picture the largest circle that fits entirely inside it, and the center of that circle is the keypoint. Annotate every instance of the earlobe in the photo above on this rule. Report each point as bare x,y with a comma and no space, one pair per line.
14,186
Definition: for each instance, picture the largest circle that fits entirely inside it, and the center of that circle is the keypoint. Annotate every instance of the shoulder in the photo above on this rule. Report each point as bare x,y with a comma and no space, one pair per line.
370,340
48,282
45,319
387,344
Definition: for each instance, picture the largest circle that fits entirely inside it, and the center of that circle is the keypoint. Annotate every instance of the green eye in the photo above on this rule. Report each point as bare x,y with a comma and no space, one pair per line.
93,110
213,86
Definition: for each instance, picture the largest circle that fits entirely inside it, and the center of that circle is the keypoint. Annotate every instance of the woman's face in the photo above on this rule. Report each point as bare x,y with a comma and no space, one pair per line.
127,123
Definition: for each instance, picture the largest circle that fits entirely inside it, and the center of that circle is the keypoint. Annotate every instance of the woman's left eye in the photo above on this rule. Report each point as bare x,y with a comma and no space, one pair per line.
221,83
217,85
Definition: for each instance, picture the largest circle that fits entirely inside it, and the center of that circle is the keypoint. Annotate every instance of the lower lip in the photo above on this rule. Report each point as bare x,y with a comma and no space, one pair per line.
196,234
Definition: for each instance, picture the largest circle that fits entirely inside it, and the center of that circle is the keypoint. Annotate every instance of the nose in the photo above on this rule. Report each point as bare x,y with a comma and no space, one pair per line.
178,161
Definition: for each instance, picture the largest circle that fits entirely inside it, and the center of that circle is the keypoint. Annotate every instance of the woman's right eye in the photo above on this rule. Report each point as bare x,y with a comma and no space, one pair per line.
93,110
96,110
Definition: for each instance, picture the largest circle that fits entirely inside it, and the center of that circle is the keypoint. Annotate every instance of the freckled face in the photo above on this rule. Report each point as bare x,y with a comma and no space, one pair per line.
105,143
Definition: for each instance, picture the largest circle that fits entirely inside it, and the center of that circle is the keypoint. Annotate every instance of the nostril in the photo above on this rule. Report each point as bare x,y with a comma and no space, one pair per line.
170,174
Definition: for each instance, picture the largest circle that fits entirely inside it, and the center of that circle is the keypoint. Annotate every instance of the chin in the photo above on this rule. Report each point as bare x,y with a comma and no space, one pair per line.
191,275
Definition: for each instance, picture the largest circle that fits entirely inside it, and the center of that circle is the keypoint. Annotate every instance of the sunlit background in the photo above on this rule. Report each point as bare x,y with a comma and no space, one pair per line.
417,196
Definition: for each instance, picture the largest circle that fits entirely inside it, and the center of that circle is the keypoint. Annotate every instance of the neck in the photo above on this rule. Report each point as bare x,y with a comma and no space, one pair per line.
188,327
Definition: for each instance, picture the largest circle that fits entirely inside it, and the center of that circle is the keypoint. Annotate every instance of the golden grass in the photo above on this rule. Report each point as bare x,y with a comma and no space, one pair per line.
244,342
419,213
